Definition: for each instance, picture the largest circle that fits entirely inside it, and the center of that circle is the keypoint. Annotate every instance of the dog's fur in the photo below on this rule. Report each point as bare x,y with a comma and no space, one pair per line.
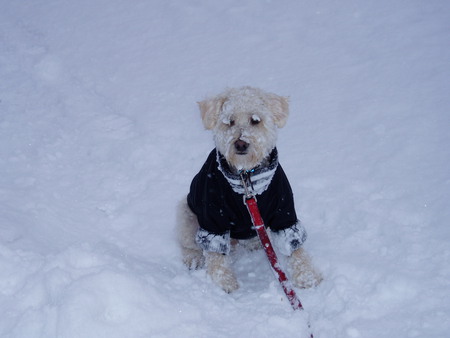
244,122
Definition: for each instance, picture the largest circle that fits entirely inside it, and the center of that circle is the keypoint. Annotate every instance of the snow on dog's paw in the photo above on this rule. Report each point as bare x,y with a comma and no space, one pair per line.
226,279
303,273
218,268
193,259
305,278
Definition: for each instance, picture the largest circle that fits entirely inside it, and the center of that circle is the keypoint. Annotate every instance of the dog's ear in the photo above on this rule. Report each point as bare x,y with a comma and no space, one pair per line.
279,106
210,110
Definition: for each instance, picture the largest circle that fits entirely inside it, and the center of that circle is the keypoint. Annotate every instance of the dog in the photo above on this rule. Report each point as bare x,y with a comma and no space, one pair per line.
213,217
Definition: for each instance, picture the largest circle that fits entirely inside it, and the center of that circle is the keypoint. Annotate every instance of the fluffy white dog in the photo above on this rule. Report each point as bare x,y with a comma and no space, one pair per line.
213,217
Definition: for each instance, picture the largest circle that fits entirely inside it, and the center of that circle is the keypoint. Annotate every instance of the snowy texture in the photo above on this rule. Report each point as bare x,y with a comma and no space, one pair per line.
100,134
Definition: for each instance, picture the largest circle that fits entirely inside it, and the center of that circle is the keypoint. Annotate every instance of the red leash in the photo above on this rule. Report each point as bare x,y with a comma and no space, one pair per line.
270,252
252,206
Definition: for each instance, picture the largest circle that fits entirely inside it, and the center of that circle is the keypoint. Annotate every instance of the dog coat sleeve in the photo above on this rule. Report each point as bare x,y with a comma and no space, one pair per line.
212,242
288,233
290,239
204,199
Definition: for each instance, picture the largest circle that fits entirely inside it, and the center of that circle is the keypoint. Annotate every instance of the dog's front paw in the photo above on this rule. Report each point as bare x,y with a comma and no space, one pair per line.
224,278
193,259
306,278
218,268
303,273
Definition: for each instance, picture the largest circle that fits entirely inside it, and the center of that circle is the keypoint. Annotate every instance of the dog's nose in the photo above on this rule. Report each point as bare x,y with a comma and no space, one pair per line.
241,146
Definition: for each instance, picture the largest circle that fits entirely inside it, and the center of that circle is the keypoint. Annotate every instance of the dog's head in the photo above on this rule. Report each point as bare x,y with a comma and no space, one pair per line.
245,122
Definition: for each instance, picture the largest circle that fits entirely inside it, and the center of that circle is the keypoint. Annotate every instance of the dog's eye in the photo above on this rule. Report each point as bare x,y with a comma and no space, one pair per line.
228,122
255,120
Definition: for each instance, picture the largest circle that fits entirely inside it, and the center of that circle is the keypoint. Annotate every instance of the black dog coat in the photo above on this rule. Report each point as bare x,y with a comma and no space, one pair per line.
216,198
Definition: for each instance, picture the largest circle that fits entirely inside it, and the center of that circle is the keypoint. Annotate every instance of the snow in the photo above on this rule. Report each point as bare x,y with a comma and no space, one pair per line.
100,136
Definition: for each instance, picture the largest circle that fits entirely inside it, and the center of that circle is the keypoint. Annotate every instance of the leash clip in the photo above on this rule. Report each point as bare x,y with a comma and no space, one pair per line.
245,179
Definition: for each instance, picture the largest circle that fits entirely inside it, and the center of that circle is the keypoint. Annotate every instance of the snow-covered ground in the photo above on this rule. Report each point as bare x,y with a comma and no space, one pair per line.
100,136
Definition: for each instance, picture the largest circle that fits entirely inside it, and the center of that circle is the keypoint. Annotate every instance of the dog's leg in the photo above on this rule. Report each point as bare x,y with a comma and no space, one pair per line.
219,269
303,273
187,228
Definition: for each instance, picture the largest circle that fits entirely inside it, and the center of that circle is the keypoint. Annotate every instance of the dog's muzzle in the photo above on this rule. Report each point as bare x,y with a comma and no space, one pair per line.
241,147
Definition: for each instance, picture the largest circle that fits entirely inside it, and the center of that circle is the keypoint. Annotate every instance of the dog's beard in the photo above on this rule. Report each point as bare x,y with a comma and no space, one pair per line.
254,156
243,161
